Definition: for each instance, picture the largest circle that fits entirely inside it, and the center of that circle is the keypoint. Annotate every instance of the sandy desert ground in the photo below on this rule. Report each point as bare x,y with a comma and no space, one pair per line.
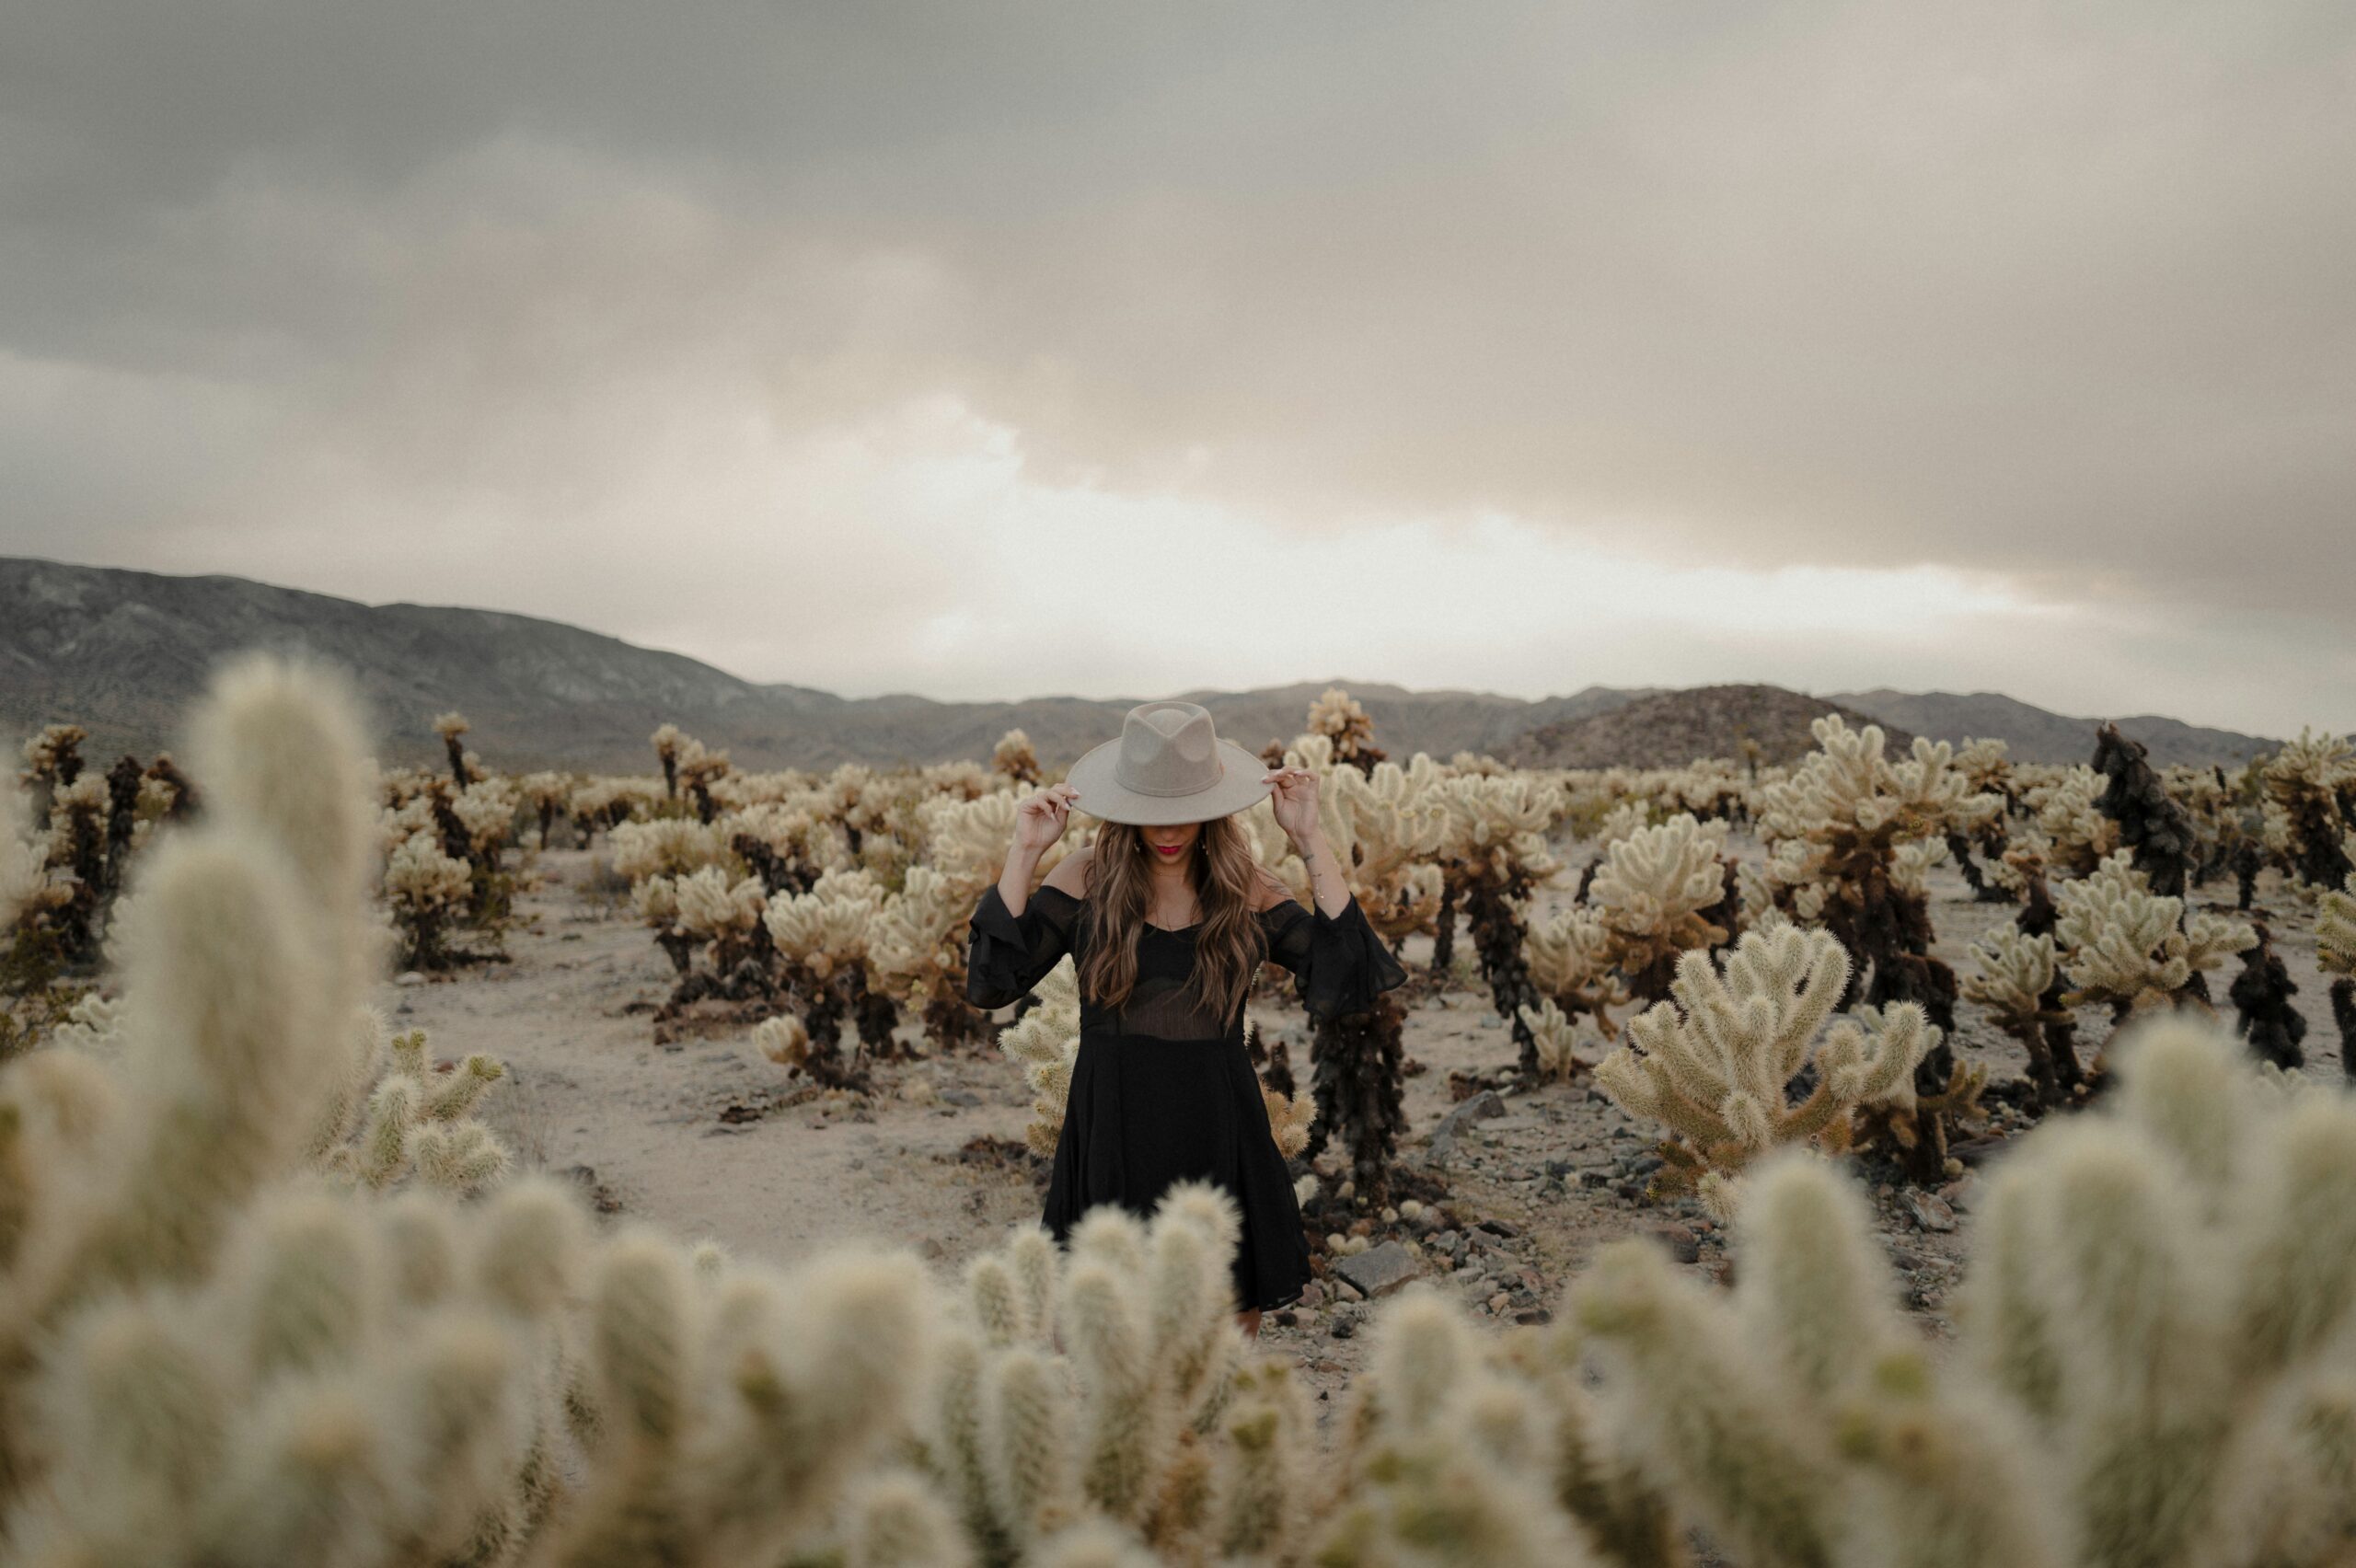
709,1140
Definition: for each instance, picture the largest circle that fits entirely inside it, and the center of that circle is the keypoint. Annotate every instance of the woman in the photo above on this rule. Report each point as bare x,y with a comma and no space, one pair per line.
1168,916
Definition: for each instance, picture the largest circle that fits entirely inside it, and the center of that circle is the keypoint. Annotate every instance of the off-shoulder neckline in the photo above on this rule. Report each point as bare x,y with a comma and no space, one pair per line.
1167,930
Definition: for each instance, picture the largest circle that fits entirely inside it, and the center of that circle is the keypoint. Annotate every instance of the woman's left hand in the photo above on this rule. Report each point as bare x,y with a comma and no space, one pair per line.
1294,802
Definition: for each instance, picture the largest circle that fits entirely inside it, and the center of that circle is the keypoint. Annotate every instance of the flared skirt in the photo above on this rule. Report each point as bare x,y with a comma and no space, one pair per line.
1144,1113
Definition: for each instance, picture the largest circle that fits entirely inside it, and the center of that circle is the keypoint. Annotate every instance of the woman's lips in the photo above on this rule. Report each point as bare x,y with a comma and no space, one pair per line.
1165,848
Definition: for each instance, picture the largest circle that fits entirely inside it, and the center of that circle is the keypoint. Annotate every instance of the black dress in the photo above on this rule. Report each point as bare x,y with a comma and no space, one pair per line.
1160,1092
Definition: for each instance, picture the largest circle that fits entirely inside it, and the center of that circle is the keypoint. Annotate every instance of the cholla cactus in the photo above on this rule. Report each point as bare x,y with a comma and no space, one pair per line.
1388,825
727,912
208,1358
1712,1064
1493,854
686,764
2311,785
1383,825
1986,767
967,840
1045,1042
698,771
2126,946
664,846
1569,958
53,757
349,1380
916,948
1119,1428
1560,1035
2076,833
2152,1366
2152,824
2015,979
1911,1125
77,838
1337,716
25,880
1450,1452
39,905
548,795
1663,891
822,940
666,741
1838,823
787,842
426,892
1292,1120
1358,1056
609,802
786,1042
450,726
486,810
1014,757
404,1117
247,952
826,929
1623,820
2335,952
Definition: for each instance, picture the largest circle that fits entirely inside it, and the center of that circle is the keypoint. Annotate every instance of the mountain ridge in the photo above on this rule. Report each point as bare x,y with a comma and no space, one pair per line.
123,652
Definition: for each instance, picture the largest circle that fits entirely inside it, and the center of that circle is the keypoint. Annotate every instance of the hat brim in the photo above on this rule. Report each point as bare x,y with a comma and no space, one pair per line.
1104,799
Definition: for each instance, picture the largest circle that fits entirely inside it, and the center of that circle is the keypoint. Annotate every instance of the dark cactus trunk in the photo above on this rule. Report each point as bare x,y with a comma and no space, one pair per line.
1444,929
2151,824
2261,996
1355,1077
1497,936
122,815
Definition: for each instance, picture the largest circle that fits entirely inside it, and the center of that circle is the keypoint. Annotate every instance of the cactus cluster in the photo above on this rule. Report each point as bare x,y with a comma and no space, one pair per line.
2311,798
1714,1065
1102,1387
2153,1356
2131,949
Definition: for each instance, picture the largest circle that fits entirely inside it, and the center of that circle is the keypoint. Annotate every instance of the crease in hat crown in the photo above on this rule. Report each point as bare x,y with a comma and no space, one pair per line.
1168,748
1168,764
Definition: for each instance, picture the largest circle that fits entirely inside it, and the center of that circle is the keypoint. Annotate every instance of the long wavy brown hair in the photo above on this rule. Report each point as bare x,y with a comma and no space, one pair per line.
1228,886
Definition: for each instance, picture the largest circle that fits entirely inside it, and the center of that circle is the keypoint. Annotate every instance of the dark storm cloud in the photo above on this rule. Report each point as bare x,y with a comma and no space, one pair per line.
2059,293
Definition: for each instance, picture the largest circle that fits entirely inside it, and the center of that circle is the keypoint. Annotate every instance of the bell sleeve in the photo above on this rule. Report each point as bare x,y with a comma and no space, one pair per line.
1338,961
1007,953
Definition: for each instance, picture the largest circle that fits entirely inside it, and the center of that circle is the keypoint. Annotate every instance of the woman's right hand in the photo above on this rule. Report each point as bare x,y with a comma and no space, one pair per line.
1039,820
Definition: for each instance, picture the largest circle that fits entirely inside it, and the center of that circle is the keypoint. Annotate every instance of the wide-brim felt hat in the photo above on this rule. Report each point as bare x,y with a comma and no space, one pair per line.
1167,766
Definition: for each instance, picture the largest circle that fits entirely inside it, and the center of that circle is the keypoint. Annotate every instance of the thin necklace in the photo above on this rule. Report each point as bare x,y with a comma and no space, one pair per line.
1190,925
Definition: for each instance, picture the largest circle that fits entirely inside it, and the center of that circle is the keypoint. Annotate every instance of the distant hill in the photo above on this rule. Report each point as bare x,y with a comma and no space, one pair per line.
124,653
1671,729
2034,734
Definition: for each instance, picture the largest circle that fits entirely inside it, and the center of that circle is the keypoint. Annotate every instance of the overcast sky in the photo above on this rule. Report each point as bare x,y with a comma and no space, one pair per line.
995,351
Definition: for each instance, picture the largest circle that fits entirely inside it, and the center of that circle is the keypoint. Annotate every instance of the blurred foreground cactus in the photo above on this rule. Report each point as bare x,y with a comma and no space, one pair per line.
210,1353
2155,1367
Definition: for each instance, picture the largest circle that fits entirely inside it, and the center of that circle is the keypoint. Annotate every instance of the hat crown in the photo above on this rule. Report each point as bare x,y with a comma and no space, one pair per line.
1168,748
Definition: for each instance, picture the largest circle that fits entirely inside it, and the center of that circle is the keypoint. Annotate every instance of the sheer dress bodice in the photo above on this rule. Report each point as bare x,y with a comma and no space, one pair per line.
1161,1091
1338,963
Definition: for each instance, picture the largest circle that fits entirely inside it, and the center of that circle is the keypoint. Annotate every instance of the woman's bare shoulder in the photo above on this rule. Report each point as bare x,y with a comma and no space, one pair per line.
1268,889
1070,874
